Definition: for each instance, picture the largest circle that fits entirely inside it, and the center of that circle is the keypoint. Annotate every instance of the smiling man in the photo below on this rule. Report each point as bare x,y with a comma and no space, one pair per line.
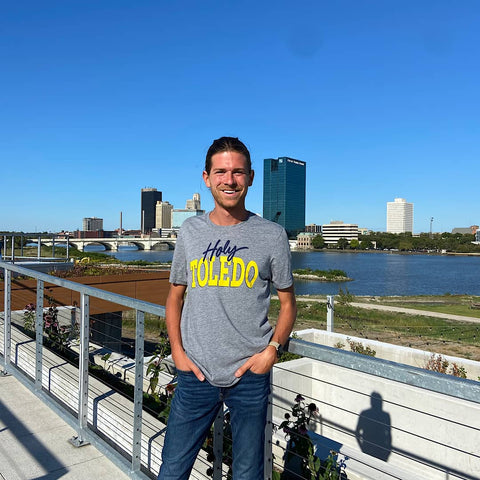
222,343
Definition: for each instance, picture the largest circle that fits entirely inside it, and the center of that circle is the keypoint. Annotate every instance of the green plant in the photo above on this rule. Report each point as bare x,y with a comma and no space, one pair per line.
57,335
155,365
358,347
437,363
29,317
300,448
344,297
339,345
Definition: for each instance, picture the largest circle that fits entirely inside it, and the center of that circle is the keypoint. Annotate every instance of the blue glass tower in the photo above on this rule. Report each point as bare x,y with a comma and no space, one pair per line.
284,181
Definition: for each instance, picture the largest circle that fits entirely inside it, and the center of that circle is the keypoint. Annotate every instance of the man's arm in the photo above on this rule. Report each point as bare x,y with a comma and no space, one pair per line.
263,362
173,316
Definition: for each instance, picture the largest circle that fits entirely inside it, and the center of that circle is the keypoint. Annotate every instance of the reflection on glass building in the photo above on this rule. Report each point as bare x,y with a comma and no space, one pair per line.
150,197
284,181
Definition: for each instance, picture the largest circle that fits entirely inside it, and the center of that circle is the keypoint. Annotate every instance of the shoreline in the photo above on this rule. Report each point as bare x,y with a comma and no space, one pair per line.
322,279
391,252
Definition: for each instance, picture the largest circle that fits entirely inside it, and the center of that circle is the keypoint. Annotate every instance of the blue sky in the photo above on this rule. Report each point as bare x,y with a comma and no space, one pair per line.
100,98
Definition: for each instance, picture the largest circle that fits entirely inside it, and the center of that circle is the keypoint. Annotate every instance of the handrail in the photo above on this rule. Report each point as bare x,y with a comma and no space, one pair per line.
419,377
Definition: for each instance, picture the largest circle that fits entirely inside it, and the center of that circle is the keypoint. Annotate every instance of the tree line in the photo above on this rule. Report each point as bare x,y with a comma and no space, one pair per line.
405,242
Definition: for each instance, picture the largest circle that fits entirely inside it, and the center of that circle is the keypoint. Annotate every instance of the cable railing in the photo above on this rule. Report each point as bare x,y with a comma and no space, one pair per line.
372,419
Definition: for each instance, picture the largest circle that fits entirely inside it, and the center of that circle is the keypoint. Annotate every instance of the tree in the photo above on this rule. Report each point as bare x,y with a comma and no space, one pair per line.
318,241
342,243
354,243
366,245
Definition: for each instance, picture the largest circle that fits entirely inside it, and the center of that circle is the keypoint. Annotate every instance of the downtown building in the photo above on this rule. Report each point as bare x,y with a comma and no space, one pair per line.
92,224
284,185
192,208
149,199
332,232
163,215
399,216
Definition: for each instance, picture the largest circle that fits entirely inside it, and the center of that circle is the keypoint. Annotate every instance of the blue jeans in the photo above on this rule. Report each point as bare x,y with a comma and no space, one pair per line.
194,408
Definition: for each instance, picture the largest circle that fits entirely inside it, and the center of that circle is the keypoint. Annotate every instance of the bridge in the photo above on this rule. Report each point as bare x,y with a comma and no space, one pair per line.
110,244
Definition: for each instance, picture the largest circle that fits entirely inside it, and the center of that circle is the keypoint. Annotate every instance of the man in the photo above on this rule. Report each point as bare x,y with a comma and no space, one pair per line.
222,342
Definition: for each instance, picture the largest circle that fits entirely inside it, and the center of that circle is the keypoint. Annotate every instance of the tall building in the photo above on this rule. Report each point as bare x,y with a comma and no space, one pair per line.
284,181
163,215
150,197
193,203
92,224
399,216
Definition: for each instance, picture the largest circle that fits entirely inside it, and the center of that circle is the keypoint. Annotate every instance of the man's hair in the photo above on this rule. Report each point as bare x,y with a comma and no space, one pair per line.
227,144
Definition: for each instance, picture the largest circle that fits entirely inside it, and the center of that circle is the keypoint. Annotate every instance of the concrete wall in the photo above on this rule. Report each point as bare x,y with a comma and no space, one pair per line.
388,351
430,433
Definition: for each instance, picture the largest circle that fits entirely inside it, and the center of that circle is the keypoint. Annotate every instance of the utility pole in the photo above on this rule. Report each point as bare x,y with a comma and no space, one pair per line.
431,222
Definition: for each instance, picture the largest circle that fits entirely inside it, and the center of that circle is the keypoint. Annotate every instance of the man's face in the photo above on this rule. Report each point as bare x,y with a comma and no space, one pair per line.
229,180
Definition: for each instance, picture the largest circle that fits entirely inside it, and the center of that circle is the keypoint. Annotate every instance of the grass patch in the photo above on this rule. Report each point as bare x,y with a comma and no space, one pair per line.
153,323
449,337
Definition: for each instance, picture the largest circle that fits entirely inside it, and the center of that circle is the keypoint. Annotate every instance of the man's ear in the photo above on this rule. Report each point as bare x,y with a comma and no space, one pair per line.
206,179
252,174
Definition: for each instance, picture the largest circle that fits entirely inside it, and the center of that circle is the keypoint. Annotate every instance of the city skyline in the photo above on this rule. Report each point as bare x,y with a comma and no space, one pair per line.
101,99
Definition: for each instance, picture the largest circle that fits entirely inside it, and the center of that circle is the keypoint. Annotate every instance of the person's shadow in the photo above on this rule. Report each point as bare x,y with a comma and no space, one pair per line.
374,431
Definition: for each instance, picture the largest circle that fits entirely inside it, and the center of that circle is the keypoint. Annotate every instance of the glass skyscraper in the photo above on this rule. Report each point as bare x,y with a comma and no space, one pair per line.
150,197
284,181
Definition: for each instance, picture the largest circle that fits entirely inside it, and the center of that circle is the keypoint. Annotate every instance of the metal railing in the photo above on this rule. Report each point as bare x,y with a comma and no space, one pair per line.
339,383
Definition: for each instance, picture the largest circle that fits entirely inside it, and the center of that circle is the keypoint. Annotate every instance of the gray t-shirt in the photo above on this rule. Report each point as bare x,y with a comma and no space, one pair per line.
228,271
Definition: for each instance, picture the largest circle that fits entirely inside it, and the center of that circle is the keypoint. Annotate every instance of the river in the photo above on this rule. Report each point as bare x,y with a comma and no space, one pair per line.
379,273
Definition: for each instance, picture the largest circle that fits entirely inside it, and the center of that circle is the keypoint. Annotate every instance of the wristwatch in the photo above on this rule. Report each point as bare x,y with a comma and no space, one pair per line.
275,344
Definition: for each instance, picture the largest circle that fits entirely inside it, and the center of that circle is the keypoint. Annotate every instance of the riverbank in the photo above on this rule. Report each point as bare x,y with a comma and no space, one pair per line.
322,278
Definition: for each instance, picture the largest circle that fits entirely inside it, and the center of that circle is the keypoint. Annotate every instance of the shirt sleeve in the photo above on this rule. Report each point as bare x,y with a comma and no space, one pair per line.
178,272
282,263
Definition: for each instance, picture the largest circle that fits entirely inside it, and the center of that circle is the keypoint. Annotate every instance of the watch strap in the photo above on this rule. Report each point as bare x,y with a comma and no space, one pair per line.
274,344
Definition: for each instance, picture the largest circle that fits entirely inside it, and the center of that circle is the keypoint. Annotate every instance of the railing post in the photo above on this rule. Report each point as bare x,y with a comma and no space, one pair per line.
39,335
80,439
330,312
13,248
218,444
138,393
39,247
268,462
7,319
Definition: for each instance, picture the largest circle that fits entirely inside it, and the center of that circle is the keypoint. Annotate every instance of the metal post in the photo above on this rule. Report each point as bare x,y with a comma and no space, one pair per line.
138,394
39,247
53,246
68,247
13,248
21,245
39,335
330,312
268,465
7,317
80,439
218,445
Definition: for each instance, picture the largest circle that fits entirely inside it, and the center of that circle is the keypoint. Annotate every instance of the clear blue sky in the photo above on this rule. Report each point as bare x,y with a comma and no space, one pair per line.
100,98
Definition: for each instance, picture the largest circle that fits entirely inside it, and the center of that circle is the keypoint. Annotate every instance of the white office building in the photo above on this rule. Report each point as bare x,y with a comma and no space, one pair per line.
399,216
163,215
334,231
